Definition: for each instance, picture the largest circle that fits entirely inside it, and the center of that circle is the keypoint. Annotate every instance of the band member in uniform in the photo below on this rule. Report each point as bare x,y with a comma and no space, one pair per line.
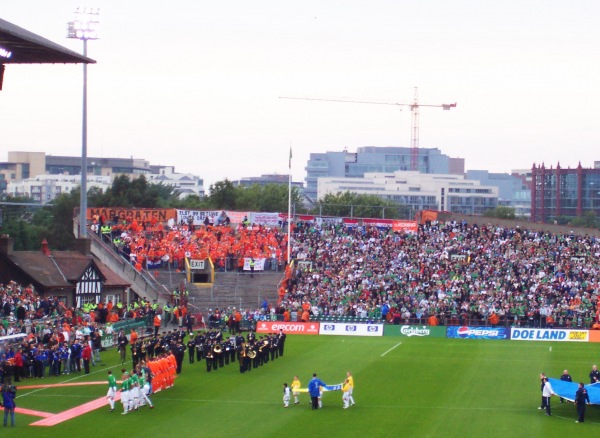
215,348
248,357
199,340
281,342
219,353
226,351
273,348
256,360
263,351
179,353
209,356
232,350
191,345
241,349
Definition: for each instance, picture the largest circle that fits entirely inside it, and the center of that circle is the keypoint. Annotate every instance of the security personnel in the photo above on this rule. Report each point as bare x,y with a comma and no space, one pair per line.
594,375
581,398
167,312
251,263
566,377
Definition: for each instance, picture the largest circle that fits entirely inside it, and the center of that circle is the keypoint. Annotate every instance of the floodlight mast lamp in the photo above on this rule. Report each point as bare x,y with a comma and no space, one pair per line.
84,28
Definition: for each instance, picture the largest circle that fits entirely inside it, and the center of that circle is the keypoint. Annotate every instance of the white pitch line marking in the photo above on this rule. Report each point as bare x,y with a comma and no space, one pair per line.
399,343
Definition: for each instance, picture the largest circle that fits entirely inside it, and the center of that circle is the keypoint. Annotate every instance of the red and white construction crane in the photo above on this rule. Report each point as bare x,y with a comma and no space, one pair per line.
414,108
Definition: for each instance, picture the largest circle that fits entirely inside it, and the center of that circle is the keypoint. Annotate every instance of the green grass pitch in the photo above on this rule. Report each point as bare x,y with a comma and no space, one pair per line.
406,387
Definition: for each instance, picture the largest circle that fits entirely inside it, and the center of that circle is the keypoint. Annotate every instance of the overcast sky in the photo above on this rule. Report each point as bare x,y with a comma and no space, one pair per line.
196,84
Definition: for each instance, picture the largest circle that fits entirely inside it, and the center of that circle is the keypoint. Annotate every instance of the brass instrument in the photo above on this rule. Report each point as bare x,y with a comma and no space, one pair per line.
263,345
217,349
252,354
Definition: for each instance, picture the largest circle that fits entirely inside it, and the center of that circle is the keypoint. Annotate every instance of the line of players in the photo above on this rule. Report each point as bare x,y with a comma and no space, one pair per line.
250,352
146,378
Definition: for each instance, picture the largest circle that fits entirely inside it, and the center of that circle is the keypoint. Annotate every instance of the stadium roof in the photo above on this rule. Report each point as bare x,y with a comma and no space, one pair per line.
19,46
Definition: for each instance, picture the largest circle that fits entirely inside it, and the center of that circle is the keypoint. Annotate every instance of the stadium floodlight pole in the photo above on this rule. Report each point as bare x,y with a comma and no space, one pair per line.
84,28
289,218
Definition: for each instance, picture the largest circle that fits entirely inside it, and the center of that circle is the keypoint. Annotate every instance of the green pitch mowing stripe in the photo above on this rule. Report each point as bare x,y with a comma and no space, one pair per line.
52,385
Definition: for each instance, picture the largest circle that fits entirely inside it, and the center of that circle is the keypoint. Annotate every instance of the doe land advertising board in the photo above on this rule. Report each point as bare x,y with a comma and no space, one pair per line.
560,335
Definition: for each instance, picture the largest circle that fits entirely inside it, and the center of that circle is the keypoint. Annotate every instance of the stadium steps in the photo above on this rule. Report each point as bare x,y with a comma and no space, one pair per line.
235,290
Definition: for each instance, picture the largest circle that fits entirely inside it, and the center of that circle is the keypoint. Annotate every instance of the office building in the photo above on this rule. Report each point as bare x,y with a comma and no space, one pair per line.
376,159
564,192
418,191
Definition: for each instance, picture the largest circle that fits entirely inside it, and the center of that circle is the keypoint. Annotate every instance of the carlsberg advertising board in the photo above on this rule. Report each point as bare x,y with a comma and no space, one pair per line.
417,331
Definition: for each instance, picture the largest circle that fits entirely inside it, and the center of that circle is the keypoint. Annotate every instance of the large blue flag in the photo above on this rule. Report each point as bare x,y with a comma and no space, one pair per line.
567,390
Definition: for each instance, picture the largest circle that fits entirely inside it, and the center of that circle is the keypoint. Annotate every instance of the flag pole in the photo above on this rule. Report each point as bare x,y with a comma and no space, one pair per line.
289,218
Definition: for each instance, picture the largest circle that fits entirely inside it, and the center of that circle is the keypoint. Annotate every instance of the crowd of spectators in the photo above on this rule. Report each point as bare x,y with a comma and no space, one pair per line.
447,273
153,244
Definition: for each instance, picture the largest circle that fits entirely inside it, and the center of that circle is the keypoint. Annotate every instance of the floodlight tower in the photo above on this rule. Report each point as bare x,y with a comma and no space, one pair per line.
84,28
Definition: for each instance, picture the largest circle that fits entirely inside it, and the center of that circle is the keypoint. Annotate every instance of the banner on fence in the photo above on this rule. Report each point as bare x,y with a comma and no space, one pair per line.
418,331
561,335
293,328
137,214
405,226
350,329
465,332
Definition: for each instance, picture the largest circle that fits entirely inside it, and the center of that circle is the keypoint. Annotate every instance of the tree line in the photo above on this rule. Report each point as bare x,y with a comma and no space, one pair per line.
29,224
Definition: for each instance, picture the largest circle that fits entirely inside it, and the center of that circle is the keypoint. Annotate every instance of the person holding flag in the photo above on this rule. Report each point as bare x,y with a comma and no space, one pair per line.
314,389
350,380
295,389
346,394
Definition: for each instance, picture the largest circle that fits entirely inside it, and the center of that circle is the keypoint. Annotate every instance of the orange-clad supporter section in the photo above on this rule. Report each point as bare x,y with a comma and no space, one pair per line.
289,328
594,336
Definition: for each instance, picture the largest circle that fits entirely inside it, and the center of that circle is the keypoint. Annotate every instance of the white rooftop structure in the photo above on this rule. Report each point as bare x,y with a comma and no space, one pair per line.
44,188
418,191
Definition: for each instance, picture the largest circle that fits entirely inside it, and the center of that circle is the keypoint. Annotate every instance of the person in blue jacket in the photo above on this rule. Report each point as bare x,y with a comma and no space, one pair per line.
8,403
314,391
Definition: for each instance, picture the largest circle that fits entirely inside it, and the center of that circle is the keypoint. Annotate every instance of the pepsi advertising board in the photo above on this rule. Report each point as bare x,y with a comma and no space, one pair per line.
350,329
465,332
